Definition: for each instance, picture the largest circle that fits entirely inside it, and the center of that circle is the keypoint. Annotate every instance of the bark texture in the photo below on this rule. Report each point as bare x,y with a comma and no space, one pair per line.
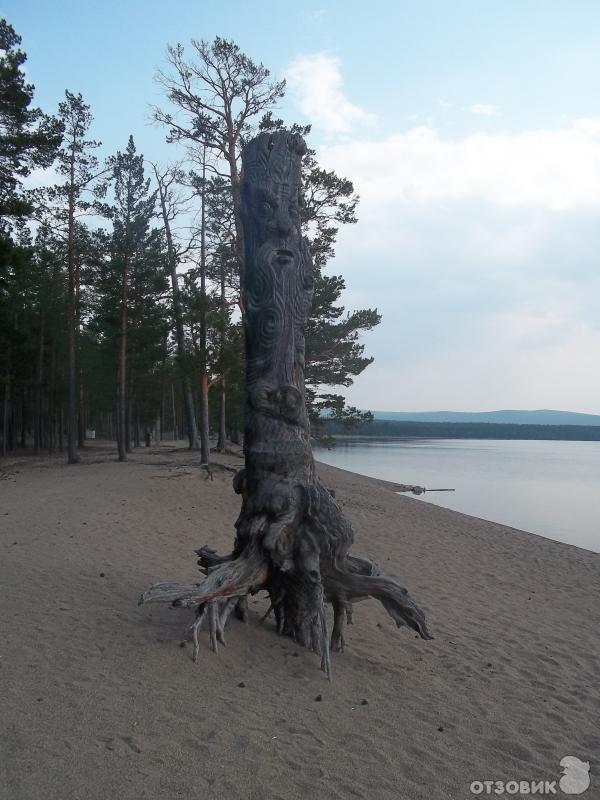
292,538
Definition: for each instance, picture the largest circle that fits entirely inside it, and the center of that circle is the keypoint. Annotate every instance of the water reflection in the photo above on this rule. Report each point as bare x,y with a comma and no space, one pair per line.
546,487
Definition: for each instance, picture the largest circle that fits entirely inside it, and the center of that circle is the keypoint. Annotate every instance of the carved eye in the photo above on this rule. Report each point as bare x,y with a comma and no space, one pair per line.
266,208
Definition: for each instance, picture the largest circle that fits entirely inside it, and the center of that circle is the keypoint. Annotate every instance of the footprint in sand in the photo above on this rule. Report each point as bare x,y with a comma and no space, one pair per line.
116,743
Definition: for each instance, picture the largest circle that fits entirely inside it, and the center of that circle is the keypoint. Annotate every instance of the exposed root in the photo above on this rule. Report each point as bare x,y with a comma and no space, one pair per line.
218,614
324,642
245,575
241,609
338,642
200,614
209,558
299,606
212,626
226,610
351,586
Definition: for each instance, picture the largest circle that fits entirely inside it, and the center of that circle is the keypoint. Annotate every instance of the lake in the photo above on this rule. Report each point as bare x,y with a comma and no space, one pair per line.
546,487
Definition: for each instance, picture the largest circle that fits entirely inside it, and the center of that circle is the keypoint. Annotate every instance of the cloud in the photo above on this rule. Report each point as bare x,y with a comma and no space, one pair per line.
482,254
552,168
316,82
483,109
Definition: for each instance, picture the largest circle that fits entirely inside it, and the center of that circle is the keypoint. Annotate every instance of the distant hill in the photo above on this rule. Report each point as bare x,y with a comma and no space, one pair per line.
508,417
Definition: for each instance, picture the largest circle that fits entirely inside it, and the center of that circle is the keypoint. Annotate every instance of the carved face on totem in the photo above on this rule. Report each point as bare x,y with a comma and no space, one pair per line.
278,273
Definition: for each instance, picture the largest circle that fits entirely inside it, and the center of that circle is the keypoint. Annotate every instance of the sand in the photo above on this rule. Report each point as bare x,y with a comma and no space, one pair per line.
98,700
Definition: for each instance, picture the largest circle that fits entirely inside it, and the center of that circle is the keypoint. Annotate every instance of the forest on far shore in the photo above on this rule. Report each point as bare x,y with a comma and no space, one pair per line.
120,304
463,430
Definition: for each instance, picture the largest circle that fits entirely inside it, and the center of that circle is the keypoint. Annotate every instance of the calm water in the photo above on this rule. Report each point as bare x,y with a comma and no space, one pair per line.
549,488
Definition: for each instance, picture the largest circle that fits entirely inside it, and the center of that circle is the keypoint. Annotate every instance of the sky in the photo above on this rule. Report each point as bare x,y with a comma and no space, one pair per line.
471,131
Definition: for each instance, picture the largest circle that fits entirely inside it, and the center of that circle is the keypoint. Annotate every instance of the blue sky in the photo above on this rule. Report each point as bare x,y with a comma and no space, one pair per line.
472,132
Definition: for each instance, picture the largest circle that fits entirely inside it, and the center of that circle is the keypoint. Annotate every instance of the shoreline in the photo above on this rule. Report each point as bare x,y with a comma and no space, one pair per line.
99,699
543,488
393,487
473,431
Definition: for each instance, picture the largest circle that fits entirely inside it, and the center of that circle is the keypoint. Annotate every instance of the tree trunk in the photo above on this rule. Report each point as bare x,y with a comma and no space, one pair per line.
80,406
178,317
292,539
190,414
204,425
222,436
174,412
123,427
37,432
72,455
204,428
81,424
128,428
5,414
240,239
24,412
61,425
52,402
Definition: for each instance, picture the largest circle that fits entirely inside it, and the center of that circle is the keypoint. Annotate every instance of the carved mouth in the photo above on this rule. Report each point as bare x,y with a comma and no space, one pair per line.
284,256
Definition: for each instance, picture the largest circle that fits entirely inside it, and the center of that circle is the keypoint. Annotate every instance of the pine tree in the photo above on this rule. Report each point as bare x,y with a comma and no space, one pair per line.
223,272
217,97
173,206
28,138
61,209
136,258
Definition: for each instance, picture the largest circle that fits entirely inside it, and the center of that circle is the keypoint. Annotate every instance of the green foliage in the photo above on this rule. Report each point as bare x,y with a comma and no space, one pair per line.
334,354
139,249
217,93
96,236
83,185
28,138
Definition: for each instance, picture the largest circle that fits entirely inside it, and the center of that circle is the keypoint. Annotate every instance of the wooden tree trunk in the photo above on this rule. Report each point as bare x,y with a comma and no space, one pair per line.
6,413
178,318
222,435
73,456
123,431
39,388
79,389
203,420
292,539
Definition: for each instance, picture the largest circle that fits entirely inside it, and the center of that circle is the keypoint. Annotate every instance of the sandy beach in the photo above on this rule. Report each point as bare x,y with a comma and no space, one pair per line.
98,699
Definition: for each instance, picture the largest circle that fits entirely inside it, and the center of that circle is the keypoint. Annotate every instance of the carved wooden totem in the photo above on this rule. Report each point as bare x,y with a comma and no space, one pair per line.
292,539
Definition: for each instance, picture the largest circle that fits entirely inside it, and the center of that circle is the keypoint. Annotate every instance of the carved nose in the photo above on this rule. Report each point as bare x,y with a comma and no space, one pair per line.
284,225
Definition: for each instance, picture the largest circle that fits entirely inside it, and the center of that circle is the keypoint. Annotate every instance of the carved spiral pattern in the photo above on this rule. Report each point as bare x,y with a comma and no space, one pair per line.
260,291
269,325
278,290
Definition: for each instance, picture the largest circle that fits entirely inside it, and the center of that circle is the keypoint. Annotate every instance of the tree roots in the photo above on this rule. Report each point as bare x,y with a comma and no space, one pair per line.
299,560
